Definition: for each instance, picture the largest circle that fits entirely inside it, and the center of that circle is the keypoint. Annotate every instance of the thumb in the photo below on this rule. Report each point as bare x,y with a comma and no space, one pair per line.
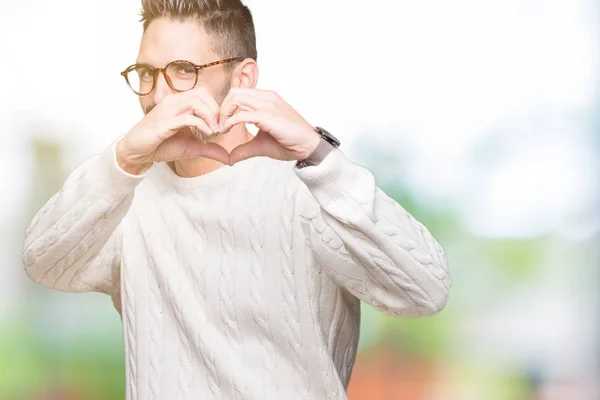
262,145
179,148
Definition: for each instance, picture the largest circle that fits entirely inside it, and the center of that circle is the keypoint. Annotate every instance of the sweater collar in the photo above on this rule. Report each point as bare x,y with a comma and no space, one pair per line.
221,175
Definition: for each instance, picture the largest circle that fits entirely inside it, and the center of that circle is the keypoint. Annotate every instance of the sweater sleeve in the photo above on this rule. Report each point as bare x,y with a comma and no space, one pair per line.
74,242
368,243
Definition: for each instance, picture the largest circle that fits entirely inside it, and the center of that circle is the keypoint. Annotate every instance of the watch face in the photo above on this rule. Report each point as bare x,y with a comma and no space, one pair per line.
329,137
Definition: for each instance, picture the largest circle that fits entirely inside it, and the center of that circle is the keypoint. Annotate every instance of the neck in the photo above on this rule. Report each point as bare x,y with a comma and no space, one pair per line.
190,168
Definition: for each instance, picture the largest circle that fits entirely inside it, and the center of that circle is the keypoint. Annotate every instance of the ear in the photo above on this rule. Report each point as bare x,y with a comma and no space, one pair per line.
245,74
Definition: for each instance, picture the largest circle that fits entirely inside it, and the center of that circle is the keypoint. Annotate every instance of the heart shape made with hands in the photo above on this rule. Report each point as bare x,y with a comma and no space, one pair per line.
252,148
283,134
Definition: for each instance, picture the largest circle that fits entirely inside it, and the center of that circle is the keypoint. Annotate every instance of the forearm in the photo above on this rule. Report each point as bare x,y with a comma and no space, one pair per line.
77,222
370,244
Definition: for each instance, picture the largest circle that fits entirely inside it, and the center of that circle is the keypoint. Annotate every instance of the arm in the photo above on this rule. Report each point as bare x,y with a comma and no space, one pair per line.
74,242
368,243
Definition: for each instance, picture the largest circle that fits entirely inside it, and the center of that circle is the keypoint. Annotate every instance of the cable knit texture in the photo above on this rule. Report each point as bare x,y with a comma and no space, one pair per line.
243,283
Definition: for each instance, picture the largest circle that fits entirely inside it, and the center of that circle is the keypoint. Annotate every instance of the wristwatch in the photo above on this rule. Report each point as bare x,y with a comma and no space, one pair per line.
327,143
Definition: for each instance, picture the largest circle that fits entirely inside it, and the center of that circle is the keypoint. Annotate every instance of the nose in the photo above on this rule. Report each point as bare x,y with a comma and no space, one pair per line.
162,88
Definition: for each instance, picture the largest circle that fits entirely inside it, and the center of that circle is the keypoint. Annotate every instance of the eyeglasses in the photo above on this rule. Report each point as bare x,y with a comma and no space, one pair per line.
180,75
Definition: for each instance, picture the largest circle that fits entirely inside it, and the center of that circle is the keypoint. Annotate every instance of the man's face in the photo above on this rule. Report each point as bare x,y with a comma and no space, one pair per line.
165,41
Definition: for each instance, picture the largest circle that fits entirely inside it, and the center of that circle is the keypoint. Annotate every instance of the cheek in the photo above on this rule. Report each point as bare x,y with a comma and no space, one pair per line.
217,87
210,86
146,104
224,91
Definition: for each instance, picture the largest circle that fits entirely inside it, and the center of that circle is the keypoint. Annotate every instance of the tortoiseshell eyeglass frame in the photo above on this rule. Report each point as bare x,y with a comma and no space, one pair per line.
155,74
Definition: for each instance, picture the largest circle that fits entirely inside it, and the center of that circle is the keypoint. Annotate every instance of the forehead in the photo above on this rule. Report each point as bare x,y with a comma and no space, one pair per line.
166,40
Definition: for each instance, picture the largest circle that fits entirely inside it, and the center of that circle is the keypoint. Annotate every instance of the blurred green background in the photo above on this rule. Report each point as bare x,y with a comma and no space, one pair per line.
483,123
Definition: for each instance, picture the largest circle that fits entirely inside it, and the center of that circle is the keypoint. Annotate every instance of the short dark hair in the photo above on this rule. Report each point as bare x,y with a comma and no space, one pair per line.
228,23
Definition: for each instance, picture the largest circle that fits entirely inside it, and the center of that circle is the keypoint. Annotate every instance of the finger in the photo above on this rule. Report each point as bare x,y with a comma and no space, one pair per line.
200,93
212,107
200,109
200,102
180,148
192,120
174,124
244,100
250,117
203,108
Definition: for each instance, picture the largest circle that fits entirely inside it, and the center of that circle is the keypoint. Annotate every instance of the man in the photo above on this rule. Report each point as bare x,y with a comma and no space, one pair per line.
236,262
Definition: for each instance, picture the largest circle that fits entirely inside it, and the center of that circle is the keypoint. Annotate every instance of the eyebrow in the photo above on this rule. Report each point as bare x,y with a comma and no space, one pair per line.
144,63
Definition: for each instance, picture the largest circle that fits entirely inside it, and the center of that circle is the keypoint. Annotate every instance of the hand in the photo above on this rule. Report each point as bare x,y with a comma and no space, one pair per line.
153,139
283,133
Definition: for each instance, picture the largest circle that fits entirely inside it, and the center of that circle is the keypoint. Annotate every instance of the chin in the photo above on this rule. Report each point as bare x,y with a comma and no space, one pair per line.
193,131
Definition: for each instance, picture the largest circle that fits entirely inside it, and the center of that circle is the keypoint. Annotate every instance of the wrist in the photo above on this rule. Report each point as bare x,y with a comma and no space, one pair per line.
324,145
313,144
124,159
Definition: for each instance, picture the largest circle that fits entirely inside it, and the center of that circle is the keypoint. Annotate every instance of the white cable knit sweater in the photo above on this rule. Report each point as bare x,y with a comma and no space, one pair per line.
240,284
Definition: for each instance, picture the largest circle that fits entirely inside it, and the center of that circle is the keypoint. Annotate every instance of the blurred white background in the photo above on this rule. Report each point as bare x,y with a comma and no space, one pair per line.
488,107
